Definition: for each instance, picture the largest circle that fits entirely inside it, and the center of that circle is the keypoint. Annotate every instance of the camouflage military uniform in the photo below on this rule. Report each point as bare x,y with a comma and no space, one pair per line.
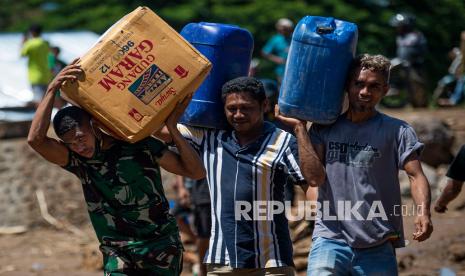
128,208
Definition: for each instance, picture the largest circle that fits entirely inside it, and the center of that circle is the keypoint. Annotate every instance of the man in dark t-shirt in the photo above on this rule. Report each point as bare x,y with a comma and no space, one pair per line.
456,174
363,152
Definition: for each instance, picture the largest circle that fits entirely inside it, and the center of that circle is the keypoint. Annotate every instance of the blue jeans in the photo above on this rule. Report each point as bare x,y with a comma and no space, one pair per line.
332,257
457,95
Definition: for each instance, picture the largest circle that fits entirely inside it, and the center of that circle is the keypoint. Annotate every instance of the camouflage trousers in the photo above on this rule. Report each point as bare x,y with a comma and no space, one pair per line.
161,257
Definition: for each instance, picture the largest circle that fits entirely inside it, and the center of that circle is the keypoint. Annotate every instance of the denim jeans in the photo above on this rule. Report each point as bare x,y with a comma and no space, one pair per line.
457,95
333,257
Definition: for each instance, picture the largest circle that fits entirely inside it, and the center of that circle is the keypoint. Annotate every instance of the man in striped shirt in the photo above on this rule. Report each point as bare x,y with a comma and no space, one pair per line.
247,169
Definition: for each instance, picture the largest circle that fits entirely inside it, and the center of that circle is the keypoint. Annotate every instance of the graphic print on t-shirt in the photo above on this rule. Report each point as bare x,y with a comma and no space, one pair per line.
352,154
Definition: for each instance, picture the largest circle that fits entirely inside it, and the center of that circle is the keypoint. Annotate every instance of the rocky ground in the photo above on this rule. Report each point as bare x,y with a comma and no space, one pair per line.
67,245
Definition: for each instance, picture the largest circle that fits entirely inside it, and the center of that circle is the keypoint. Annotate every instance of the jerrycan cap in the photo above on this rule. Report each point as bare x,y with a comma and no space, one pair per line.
324,29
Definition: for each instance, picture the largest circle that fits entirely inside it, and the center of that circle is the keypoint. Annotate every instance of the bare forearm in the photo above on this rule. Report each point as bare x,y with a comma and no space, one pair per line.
421,193
451,191
276,59
273,58
190,160
163,134
310,165
41,121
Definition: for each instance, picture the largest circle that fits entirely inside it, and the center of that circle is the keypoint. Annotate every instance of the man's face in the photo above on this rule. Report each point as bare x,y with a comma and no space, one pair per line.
243,112
285,30
366,89
81,140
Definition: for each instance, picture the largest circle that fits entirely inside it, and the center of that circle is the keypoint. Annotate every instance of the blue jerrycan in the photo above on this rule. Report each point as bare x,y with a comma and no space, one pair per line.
229,49
320,54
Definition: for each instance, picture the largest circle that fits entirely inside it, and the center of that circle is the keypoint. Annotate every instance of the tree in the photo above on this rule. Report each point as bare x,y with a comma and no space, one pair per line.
440,21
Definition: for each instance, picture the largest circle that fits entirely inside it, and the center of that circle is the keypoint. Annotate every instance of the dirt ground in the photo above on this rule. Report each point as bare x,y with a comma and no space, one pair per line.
45,250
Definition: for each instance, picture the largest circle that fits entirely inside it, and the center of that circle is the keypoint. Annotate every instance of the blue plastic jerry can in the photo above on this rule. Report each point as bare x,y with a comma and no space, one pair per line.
320,54
229,49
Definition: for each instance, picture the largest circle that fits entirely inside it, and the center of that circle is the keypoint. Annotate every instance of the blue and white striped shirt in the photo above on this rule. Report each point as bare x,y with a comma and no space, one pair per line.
252,173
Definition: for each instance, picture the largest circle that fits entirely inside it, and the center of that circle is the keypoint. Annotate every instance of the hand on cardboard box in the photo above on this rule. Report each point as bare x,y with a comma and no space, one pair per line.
69,73
177,112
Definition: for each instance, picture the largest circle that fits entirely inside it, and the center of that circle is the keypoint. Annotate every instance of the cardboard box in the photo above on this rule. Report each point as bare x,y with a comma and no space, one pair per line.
136,73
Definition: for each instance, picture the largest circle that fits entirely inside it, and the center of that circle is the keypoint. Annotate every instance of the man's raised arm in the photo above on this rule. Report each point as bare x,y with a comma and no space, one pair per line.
187,162
51,149
310,164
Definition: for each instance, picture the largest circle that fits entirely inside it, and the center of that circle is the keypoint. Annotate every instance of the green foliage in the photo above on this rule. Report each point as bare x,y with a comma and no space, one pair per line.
441,21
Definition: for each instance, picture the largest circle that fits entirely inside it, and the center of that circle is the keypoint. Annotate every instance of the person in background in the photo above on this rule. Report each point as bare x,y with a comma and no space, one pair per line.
36,49
411,48
195,193
54,62
456,175
411,43
457,74
180,208
277,47
56,65
363,152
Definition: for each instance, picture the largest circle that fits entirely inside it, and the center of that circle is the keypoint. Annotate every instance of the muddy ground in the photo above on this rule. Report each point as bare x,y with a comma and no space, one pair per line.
44,249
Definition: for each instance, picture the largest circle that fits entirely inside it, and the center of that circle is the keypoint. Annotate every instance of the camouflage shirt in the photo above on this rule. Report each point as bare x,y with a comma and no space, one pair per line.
123,190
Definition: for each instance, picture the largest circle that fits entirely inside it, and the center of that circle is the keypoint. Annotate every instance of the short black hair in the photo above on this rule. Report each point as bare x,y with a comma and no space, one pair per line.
55,48
244,84
376,63
69,118
36,29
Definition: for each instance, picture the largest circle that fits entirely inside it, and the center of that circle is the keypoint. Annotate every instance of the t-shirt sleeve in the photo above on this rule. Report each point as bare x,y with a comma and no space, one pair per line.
156,147
315,134
269,46
457,167
193,135
408,144
25,49
291,161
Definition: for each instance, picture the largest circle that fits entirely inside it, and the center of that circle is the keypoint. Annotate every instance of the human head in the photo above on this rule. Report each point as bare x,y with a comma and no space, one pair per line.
55,50
73,126
403,22
284,26
35,30
368,81
271,92
244,101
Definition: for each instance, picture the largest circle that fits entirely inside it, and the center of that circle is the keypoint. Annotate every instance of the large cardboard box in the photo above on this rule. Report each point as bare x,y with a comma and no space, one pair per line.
136,73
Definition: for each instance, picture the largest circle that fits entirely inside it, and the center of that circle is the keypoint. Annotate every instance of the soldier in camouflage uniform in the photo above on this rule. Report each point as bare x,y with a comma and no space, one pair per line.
121,183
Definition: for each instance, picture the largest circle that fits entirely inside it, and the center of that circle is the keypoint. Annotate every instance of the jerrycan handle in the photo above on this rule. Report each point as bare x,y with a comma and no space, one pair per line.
324,29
